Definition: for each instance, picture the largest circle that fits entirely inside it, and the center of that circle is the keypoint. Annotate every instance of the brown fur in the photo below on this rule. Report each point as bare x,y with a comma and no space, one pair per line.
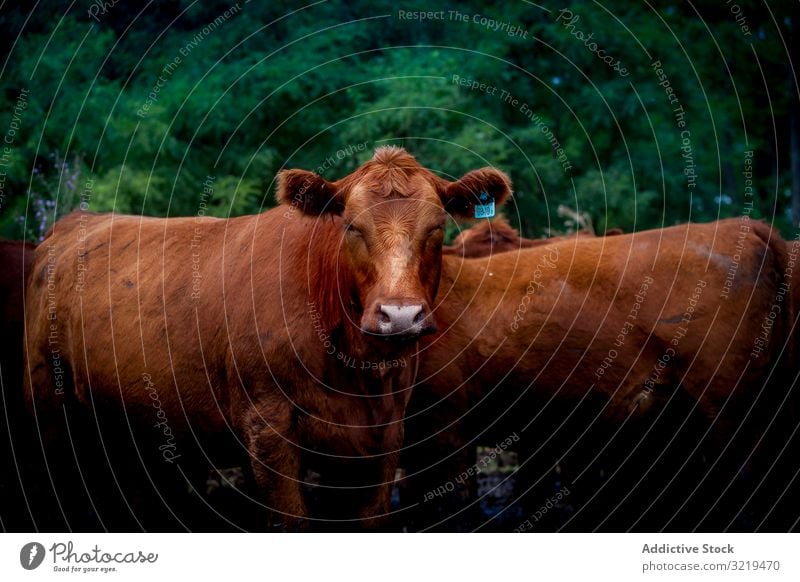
599,274
271,345
574,316
498,236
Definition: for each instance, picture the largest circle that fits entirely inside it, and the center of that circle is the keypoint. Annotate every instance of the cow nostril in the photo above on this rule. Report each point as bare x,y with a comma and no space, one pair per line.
400,319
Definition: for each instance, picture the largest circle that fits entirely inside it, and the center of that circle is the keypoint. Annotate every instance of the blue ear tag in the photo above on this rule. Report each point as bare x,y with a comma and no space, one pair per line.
486,208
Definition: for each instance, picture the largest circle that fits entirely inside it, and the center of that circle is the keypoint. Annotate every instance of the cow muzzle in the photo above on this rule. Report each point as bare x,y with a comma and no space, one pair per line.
399,319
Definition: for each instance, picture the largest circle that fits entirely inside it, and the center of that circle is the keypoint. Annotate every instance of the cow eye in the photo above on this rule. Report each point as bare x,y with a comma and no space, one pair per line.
352,230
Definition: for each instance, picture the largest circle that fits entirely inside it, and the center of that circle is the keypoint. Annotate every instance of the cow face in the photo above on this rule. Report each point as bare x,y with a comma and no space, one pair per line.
392,215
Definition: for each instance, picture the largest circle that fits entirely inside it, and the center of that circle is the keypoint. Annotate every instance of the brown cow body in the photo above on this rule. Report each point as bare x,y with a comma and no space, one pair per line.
269,327
498,236
631,320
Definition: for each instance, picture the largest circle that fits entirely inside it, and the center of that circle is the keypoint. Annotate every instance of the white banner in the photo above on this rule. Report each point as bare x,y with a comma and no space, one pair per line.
398,557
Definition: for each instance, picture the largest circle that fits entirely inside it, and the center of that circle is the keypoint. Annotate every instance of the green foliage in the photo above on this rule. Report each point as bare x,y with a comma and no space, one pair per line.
150,107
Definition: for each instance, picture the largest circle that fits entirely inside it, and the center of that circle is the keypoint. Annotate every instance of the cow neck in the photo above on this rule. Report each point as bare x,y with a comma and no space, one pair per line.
378,366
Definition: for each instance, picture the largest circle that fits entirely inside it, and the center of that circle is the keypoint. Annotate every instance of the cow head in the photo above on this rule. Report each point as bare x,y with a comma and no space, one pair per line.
392,216
486,238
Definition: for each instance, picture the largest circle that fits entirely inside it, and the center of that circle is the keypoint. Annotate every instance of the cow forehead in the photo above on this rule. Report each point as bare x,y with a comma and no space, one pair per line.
393,184
419,204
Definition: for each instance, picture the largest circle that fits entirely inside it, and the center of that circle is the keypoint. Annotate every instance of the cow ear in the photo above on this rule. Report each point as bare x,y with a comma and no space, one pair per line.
309,193
476,194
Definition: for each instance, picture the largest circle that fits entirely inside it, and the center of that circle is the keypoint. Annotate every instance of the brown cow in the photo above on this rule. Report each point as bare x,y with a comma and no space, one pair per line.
498,236
630,320
294,329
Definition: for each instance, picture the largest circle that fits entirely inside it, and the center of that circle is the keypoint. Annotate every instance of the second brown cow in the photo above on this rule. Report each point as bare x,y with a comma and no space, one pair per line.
699,314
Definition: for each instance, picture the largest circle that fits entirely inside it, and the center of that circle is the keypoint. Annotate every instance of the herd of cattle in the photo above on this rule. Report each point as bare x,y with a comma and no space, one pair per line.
350,364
